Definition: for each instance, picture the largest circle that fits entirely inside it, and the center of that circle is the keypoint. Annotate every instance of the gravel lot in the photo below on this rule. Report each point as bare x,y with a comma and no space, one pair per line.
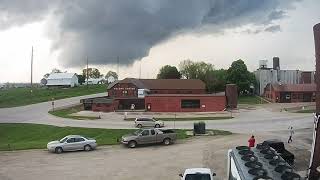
120,163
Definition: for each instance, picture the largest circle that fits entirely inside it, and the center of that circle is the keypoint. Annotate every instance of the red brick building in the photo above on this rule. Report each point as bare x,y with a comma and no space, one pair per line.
287,93
157,95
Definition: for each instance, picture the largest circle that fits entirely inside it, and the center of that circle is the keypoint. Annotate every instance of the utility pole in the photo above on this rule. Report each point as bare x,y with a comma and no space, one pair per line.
31,67
87,70
140,71
314,172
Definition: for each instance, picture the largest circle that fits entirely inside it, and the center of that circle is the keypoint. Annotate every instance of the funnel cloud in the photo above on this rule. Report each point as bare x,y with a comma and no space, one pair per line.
106,29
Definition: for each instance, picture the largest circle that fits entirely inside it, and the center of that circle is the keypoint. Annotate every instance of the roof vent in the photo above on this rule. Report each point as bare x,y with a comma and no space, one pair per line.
258,172
290,176
246,152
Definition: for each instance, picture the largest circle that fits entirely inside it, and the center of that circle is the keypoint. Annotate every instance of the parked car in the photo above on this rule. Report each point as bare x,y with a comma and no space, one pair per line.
149,136
197,174
148,122
280,148
72,143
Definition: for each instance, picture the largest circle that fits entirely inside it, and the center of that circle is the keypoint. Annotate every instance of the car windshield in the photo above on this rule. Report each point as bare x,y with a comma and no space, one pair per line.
63,139
198,177
138,132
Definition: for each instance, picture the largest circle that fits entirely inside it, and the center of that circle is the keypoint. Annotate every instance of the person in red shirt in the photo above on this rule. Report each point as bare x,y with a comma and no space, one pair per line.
252,141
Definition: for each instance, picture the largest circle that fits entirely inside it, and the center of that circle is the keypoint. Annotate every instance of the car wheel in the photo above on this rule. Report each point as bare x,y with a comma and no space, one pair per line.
87,148
139,126
132,144
58,150
157,126
167,141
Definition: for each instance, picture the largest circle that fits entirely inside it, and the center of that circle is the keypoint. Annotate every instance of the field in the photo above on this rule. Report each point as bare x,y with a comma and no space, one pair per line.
14,97
251,100
36,136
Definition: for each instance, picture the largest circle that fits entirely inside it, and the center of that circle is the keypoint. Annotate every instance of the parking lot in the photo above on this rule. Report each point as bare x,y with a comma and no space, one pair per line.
148,162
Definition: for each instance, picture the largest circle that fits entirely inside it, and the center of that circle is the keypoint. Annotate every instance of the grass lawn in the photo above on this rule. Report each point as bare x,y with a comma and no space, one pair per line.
36,136
250,100
22,96
66,113
188,118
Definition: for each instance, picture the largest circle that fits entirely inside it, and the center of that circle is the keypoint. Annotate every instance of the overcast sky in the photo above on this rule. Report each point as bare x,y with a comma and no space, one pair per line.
152,33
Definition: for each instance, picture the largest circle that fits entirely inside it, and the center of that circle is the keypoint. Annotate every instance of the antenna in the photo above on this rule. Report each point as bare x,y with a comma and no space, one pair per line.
31,67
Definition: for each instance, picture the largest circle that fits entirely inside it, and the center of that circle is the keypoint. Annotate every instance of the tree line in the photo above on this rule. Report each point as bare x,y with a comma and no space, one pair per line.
215,79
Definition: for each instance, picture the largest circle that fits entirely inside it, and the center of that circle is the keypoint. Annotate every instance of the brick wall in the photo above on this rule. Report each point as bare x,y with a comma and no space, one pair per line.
176,91
173,103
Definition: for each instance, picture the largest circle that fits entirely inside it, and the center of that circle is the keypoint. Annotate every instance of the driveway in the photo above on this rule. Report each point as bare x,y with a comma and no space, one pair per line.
143,163
261,119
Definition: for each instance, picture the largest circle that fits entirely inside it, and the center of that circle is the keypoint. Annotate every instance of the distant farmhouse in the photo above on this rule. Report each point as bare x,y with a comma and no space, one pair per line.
62,80
95,81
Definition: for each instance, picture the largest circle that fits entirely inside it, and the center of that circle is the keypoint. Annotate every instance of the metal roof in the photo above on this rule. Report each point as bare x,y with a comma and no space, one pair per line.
163,83
61,76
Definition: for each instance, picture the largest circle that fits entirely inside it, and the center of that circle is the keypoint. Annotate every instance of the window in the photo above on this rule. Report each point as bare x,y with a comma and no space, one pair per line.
145,133
125,93
198,176
63,140
79,139
153,132
71,140
192,103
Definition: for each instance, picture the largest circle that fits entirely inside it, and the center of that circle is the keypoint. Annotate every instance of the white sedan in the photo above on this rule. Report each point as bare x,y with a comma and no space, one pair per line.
72,143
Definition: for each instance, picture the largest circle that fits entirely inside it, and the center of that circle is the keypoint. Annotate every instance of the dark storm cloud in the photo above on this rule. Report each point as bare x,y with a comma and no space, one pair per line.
106,29
21,12
273,29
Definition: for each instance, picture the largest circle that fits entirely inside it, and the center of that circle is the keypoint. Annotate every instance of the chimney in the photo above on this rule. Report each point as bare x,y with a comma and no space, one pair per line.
315,159
276,63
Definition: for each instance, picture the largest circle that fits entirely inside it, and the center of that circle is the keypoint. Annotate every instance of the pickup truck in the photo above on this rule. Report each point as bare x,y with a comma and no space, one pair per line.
279,147
149,136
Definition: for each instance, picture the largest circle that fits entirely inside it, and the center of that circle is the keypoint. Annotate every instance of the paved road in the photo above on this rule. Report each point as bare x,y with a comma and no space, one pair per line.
263,119
143,163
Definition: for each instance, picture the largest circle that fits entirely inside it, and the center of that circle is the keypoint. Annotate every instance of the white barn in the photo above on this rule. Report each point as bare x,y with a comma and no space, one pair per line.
62,79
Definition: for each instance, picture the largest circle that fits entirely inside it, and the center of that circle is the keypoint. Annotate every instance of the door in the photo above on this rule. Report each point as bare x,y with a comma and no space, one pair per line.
285,97
79,143
70,145
145,137
150,122
153,136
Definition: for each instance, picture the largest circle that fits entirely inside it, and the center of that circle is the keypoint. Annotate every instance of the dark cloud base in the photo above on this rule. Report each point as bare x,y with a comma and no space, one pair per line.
104,30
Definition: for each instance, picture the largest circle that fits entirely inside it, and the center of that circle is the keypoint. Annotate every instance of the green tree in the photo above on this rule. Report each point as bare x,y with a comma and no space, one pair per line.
92,73
169,72
239,75
220,80
113,74
195,70
81,78
200,70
